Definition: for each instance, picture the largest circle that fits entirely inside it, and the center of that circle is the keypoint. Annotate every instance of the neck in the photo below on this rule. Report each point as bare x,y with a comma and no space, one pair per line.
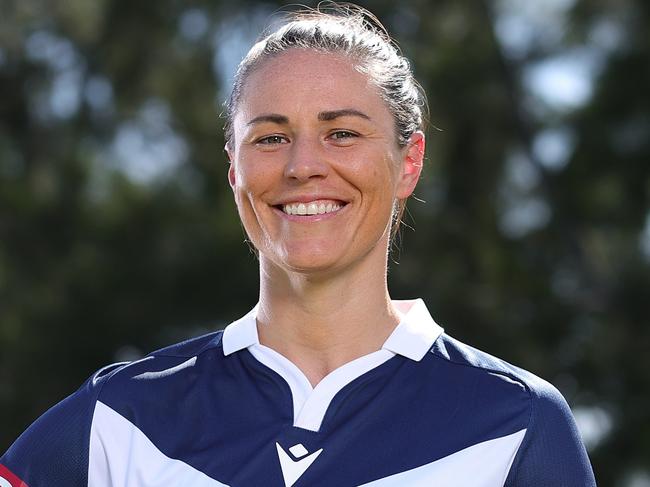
321,323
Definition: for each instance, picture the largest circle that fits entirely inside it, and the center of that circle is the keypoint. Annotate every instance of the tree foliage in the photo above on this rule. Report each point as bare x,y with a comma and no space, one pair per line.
118,233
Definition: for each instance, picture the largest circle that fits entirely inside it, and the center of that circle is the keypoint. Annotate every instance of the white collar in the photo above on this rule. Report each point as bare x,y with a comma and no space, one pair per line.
412,338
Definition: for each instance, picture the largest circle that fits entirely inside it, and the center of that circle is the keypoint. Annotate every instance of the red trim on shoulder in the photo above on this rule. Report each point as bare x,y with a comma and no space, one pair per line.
7,476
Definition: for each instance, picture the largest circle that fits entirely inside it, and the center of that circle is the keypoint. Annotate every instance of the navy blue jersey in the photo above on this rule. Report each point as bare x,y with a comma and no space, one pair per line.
224,410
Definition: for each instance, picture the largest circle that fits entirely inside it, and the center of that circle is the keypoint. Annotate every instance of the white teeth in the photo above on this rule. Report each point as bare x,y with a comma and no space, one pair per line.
312,208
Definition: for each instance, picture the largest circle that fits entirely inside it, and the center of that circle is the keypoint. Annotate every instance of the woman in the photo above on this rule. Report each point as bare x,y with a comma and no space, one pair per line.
327,381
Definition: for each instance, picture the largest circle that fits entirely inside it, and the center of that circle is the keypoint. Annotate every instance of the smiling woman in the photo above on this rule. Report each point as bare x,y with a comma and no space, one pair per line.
327,381
327,141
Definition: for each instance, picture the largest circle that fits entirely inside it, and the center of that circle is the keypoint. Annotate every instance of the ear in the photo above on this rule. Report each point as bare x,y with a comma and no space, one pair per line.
411,165
231,169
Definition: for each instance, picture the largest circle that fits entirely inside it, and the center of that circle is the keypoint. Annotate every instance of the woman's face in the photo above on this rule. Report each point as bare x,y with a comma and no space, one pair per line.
315,165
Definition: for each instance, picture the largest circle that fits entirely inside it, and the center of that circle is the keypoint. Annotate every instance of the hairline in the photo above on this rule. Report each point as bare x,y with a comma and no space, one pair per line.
355,60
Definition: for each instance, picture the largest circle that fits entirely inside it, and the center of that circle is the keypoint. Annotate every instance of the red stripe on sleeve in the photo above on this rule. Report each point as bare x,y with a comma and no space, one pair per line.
7,476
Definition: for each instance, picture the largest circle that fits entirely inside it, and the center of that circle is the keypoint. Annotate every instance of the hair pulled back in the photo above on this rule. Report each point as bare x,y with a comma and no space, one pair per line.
348,30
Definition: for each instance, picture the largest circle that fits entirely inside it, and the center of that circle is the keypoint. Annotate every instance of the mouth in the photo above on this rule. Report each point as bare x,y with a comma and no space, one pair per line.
316,207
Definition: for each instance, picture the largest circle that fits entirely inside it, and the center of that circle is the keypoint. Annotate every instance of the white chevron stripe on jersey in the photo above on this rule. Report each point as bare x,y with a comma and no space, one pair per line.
485,464
121,454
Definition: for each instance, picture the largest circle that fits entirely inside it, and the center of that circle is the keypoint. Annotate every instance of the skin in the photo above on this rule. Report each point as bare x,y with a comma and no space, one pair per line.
311,127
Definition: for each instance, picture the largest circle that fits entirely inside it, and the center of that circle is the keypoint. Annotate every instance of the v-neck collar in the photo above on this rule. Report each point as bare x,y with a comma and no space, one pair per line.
412,338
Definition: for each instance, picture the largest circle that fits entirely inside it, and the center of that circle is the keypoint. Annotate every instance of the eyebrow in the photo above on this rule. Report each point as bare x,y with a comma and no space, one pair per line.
346,112
269,117
322,116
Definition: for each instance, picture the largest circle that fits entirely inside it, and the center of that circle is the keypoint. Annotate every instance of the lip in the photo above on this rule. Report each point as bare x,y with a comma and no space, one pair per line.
308,198
309,218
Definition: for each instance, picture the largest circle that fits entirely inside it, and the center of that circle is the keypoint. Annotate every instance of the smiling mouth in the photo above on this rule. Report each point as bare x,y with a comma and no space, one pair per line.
320,207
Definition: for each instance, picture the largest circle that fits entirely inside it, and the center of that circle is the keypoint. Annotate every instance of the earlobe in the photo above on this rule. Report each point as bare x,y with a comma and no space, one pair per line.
412,165
231,168
231,176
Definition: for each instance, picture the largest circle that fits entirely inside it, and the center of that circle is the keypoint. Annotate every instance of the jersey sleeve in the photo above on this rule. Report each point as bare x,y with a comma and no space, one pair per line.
54,449
552,453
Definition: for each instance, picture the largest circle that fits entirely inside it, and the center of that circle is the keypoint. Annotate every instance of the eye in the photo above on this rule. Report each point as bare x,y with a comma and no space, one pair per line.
343,134
272,140
343,138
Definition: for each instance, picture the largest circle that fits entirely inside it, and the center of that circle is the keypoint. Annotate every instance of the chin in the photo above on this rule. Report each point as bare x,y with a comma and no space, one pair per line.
309,260
308,264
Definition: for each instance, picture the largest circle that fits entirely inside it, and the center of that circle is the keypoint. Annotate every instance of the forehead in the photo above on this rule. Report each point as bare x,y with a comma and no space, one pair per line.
303,80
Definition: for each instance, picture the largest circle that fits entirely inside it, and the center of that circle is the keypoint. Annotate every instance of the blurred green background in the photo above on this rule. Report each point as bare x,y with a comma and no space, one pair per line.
118,233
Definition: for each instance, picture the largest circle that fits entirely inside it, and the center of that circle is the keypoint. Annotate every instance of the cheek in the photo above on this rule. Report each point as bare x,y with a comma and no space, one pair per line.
384,176
245,177
252,182
240,182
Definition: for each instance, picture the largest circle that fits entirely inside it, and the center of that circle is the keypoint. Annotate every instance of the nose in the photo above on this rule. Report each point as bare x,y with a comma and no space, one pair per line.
306,160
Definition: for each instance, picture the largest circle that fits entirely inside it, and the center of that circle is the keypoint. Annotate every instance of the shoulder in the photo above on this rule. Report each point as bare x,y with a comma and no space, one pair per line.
173,363
551,451
496,371
157,389
546,407
66,422
56,446
191,347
